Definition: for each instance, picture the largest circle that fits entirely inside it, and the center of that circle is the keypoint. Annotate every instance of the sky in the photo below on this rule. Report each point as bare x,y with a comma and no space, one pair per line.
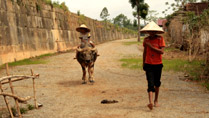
93,8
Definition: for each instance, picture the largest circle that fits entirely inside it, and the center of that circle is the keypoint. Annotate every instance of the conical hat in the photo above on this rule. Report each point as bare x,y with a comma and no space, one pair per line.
82,27
152,26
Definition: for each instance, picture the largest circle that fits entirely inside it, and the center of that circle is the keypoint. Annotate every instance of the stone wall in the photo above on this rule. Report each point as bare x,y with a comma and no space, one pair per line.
29,29
179,34
198,8
175,30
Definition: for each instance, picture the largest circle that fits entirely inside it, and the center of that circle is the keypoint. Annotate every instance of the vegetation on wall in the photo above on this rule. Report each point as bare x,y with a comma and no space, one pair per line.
81,19
197,22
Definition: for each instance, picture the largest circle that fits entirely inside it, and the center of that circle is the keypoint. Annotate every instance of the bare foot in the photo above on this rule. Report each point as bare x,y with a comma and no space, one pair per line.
150,106
156,104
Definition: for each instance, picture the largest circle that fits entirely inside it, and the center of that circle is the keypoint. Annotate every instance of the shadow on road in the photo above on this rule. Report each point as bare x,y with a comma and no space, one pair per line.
70,83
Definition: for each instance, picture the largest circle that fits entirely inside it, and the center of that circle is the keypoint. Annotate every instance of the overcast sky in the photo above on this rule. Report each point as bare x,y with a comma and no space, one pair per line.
93,8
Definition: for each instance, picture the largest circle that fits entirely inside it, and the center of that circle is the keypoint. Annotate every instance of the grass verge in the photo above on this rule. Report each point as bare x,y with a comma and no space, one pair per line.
132,63
36,60
177,65
193,69
23,110
134,42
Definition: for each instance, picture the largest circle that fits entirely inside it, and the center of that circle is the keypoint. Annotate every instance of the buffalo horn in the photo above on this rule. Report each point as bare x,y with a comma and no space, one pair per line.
79,49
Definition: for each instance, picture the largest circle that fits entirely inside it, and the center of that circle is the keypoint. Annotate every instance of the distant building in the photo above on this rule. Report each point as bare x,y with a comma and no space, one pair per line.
161,23
198,8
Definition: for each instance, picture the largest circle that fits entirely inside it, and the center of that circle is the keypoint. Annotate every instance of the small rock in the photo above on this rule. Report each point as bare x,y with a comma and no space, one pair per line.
40,105
108,101
186,75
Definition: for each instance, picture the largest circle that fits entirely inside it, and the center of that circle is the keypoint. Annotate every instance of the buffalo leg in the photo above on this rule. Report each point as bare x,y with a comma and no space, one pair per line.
84,74
91,72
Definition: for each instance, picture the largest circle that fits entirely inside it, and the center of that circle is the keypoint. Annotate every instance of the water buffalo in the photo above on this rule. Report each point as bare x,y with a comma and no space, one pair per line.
86,56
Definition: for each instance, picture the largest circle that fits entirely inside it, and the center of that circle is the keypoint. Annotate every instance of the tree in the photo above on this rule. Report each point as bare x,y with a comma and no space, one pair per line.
140,11
152,15
144,11
78,13
104,14
120,20
179,4
135,23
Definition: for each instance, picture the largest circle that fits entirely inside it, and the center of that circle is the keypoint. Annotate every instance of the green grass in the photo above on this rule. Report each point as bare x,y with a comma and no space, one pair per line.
206,85
132,63
194,68
134,42
28,62
23,110
30,107
131,43
171,49
36,60
181,65
177,65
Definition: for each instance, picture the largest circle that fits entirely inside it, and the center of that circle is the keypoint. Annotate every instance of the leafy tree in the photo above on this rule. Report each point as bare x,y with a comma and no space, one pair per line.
141,9
120,20
179,4
135,23
127,23
152,15
78,13
104,14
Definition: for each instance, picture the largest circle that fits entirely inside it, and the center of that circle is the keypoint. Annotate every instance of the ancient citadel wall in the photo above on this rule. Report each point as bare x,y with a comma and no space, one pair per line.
28,29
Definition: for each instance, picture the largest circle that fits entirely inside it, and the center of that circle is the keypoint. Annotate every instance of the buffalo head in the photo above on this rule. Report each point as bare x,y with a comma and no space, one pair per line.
87,55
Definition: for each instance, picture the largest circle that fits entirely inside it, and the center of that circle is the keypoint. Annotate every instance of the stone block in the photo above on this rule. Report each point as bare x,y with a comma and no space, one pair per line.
5,35
38,22
21,20
31,11
3,18
3,5
47,7
16,8
11,18
47,23
23,9
9,6
46,14
31,21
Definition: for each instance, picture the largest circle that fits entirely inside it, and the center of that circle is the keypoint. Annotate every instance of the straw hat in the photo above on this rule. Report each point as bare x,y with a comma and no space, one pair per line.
152,26
82,27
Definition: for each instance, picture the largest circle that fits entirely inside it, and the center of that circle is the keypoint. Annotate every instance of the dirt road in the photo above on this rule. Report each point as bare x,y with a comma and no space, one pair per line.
60,91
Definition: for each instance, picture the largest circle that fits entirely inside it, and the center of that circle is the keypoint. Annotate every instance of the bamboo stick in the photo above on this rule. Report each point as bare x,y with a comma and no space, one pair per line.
34,90
17,76
7,103
12,90
16,97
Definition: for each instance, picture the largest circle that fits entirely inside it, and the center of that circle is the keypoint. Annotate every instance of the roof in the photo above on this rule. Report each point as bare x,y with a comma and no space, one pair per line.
161,21
198,8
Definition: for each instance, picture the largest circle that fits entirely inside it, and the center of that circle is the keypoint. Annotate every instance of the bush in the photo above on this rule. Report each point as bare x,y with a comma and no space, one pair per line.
49,2
63,6
30,107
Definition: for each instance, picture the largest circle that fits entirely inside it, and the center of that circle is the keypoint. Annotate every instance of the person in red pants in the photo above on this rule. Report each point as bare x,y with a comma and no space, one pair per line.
152,60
